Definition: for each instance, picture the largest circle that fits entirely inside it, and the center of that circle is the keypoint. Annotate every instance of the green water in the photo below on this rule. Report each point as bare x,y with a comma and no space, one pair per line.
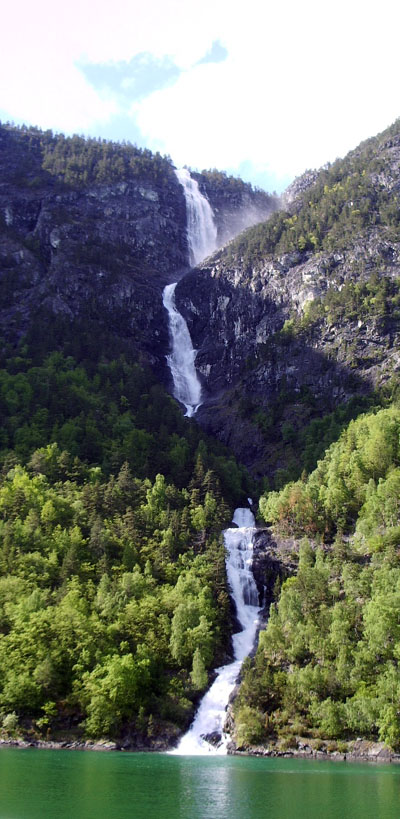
61,784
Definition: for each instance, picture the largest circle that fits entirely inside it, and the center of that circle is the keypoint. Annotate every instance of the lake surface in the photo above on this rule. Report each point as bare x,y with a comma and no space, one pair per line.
82,785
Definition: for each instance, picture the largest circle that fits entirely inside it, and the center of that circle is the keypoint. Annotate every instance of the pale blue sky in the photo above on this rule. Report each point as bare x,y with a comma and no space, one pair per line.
260,89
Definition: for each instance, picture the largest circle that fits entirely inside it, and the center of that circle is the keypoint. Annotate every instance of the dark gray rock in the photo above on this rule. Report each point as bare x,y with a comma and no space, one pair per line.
214,739
102,253
272,562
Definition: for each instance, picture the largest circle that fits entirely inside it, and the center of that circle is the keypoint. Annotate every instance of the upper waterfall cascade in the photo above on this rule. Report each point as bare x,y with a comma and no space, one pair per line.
209,721
202,237
201,228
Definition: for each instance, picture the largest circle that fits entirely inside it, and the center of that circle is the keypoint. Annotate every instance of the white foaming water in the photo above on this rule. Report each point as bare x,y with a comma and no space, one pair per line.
187,387
202,237
211,714
201,230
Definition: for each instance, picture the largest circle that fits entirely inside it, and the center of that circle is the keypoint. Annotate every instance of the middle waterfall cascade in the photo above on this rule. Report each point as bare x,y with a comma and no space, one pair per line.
187,387
210,717
202,238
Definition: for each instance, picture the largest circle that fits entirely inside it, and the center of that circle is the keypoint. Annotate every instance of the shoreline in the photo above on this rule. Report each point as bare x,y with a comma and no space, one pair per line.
361,751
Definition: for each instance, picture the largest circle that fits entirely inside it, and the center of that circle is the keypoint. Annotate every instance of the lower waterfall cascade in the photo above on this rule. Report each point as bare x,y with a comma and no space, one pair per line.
206,734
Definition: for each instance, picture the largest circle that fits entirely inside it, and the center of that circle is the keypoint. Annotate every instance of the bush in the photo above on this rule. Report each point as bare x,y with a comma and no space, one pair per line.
10,724
249,726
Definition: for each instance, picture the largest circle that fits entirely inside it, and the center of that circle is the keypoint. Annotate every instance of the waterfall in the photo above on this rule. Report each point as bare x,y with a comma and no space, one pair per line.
206,734
187,387
202,237
201,229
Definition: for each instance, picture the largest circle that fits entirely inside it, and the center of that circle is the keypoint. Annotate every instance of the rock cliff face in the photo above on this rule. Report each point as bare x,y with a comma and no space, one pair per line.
260,336
92,233
233,312
272,562
100,252
248,362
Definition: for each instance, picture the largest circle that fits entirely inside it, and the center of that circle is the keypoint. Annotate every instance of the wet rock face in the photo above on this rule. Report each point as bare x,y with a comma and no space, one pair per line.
272,561
233,312
229,317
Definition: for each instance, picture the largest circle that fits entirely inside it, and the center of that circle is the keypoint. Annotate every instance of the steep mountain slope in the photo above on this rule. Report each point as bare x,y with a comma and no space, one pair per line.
113,598
113,594
91,231
301,313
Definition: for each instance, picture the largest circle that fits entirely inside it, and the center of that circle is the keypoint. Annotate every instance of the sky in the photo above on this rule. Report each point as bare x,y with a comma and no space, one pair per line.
261,89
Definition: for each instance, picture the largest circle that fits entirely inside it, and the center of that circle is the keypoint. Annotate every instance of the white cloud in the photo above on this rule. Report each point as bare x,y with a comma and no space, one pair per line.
41,45
296,91
302,83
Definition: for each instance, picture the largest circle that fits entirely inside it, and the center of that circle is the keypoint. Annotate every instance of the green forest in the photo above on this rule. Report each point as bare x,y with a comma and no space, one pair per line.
39,156
114,604
327,664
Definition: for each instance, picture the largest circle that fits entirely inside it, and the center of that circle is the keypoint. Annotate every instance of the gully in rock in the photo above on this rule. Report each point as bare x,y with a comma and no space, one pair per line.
202,237
206,735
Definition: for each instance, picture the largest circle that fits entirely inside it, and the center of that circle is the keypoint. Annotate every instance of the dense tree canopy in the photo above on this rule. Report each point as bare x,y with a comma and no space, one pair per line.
327,665
76,161
113,596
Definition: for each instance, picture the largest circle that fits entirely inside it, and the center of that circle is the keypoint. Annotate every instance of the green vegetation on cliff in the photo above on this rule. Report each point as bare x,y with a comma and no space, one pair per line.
339,494
223,183
112,592
327,665
346,198
77,161
105,412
